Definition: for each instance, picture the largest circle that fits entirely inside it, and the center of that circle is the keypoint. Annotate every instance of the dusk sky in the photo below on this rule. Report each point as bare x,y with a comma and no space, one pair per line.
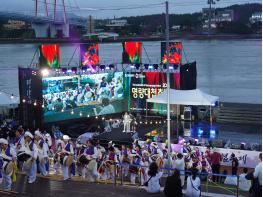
109,8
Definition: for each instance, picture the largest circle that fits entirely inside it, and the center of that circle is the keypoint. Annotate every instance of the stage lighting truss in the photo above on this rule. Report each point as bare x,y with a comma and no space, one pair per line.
153,67
46,72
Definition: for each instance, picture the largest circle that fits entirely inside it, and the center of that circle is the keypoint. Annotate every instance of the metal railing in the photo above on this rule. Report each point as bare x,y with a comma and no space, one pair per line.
207,185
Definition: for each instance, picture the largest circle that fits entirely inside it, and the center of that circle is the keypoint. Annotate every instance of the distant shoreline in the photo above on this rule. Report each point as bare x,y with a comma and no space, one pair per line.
121,39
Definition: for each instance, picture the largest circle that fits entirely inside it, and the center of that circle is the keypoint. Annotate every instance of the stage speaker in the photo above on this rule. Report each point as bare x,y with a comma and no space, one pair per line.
188,75
187,128
188,113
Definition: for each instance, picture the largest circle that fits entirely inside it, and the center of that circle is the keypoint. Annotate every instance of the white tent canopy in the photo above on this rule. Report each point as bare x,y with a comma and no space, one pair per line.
7,100
185,97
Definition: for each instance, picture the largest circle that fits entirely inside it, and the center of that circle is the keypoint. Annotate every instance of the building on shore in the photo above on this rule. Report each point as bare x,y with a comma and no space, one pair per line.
15,24
224,16
216,17
256,17
90,25
117,23
205,18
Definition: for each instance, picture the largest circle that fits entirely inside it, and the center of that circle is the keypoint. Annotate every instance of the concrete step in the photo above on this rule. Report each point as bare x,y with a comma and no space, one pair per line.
239,121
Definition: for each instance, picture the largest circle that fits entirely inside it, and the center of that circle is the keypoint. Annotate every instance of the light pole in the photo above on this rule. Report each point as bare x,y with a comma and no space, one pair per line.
168,76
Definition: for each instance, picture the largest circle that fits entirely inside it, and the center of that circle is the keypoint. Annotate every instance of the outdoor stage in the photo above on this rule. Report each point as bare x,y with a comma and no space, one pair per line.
201,130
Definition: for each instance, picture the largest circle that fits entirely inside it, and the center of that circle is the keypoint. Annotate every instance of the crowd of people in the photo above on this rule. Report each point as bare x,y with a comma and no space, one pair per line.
144,161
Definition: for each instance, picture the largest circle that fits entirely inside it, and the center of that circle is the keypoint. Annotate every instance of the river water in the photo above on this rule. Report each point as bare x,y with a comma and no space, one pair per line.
230,69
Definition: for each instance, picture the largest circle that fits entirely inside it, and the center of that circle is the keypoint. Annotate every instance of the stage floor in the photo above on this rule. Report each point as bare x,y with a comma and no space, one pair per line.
202,130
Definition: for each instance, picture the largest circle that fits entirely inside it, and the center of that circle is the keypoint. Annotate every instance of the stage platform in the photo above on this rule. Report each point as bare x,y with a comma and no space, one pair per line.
201,130
117,134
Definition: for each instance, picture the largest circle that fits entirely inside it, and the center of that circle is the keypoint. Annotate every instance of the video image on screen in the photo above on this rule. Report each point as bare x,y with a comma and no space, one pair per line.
89,55
175,49
49,55
132,53
72,97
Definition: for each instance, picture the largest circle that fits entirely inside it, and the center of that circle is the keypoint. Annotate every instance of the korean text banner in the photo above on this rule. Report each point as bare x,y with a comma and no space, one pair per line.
89,55
132,53
175,49
140,86
49,55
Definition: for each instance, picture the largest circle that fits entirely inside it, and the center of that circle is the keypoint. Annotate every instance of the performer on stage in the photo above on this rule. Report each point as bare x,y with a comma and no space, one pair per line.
110,161
19,144
125,160
91,153
30,164
127,123
9,163
68,153
60,145
42,153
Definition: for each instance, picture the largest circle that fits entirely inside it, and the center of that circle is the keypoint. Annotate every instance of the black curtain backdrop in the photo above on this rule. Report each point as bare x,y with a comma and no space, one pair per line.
188,74
30,88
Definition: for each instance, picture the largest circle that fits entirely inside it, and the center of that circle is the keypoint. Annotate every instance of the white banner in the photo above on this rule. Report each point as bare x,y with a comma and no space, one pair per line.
248,159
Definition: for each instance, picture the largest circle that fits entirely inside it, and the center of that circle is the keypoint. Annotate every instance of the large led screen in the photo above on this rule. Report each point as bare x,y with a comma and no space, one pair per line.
89,55
72,97
49,55
132,52
175,49
143,85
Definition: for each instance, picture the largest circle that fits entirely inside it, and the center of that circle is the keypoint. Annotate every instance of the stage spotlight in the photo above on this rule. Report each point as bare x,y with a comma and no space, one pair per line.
107,68
84,68
74,70
171,67
62,110
150,66
111,66
64,70
137,66
72,112
146,66
96,117
175,66
80,114
155,66
200,131
35,103
69,70
44,72
102,67
12,96
212,133
24,100
132,66
43,105
87,116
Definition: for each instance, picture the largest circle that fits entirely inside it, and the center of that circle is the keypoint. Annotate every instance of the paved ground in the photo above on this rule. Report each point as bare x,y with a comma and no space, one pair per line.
55,187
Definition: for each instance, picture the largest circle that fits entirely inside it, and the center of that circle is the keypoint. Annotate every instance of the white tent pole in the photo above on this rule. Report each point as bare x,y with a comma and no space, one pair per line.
210,119
177,121
146,108
168,77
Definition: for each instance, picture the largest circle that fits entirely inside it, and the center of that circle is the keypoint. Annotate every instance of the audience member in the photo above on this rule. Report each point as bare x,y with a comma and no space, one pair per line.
154,179
173,186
